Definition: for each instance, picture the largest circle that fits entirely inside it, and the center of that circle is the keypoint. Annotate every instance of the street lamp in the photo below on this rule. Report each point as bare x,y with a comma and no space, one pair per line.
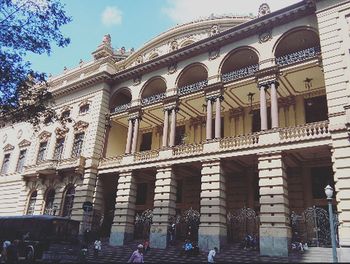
329,193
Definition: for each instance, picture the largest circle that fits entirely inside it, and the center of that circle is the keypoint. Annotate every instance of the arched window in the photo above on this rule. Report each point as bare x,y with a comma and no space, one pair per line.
49,200
31,203
68,201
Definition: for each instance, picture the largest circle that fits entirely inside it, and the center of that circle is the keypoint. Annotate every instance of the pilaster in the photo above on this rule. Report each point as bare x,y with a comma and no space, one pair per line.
212,229
164,206
122,229
275,231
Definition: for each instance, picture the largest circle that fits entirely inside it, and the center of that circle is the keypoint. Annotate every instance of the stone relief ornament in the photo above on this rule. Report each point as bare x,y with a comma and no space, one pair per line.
9,147
44,136
213,54
265,36
137,80
61,132
172,68
19,133
139,59
174,45
264,9
107,40
214,30
80,126
24,143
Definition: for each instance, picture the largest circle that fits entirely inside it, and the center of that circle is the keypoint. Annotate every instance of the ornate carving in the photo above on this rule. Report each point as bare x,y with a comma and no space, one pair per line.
174,45
61,132
215,29
44,136
265,36
84,102
107,40
24,143
213,54
172,68
9,147
139,59
264,9
137,80
80,126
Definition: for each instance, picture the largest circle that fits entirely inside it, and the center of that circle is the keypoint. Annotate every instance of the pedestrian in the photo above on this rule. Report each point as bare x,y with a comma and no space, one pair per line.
12,252
212,254
4,250
97,247
137,255
146,246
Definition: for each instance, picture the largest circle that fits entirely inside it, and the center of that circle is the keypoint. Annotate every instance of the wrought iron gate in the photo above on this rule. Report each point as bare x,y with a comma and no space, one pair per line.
241,223
312,227
143,222
187,225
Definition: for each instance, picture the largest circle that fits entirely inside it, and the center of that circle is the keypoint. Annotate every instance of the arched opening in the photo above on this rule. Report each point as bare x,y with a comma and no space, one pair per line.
120,101
49,202
193,78
153,91
296,46
239,64
68,201
31,203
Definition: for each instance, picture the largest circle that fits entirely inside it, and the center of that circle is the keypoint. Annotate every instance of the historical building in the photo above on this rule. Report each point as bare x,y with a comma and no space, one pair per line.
209,123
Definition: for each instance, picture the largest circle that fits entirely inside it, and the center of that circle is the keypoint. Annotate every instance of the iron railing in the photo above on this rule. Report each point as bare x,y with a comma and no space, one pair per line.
298,56
120,108
153,99
191,88
240,73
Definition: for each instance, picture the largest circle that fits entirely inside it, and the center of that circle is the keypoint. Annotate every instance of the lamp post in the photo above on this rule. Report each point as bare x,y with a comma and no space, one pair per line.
329,193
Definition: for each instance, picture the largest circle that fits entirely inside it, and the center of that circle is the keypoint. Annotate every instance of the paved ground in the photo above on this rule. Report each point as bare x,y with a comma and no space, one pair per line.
231,253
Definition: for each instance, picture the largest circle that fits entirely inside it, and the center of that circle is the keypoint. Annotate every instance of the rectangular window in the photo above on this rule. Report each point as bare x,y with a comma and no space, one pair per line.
42,151
77,145
5,163
256,126
57,155
21,160
316,109
141,193
84,109
180,135
146,142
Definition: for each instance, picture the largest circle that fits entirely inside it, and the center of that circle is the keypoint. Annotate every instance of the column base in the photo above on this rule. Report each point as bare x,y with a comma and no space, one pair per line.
159,236
212,236
120,235
274,241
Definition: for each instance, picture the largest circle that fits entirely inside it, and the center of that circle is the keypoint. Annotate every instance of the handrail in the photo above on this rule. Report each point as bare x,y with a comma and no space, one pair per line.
307,131
146,155
240,73
155,98
191,88
187,149
298,56
121,108
240,141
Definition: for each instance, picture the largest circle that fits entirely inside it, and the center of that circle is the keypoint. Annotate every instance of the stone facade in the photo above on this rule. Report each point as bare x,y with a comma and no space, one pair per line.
209,122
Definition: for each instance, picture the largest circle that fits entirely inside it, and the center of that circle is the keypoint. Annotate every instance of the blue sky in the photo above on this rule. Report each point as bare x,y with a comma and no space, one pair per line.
131,23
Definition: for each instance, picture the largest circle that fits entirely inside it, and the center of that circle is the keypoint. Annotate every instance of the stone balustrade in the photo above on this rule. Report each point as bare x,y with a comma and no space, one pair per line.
239,142
41,167
111,161
187,149
303,132
146,155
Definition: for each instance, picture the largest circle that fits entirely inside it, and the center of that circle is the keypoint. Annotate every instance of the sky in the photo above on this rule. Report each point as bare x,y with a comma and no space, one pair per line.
131,23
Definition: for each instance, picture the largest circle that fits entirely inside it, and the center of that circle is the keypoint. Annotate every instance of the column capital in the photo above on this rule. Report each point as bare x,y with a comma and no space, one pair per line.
267,83
213,98
134,117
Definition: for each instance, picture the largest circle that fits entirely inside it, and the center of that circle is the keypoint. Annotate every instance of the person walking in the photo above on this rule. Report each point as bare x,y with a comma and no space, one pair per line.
212,254
137,255
4,250
97,247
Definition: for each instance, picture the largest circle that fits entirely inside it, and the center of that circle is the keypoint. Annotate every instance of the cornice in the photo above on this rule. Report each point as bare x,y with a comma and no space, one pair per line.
249,28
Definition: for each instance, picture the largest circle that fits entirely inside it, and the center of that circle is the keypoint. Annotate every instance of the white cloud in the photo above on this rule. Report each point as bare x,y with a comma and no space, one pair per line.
181,11
111,16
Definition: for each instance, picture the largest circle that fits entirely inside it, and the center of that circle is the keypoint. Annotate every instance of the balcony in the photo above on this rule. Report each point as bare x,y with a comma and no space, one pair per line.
312,133
192,88
240,73
298,56
120,108
50,167
153,99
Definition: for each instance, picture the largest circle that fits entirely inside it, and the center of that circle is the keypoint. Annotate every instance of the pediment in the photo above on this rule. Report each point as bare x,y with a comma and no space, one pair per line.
24,143
61,132
80,126
8,147
44,136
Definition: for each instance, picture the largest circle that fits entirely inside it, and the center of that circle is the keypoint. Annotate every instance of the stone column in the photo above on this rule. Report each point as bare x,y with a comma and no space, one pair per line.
122,229
212,229
164,206
274,105
263,108
275,230
218,117
173,127
134,138
165,128
128,140
209,119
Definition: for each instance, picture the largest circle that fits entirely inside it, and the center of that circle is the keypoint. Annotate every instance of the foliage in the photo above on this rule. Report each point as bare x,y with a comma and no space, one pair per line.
27,26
